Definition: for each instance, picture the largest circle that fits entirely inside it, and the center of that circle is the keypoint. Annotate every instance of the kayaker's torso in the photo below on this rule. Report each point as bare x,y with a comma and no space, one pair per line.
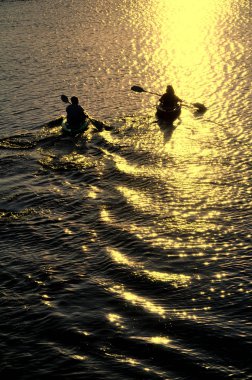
169,100
75,115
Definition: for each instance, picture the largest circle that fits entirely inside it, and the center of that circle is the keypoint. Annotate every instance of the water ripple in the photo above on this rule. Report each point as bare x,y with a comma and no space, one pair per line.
124,253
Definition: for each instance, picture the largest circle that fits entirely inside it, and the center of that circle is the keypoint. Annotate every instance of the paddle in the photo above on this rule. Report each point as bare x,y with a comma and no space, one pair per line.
140,89
200,107
98,124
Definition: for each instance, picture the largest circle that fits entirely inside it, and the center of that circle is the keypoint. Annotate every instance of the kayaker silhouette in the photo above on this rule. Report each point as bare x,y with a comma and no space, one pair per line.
169,99
75,114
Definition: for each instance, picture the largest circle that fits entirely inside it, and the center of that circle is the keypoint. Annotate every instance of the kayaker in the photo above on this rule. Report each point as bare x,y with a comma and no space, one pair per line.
169,99
75,114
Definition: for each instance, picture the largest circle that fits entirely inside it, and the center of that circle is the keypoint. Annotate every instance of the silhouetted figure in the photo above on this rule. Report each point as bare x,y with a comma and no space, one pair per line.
75,114
169,99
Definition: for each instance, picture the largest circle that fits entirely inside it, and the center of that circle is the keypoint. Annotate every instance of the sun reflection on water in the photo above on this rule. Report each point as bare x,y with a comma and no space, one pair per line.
161,340
187,36
174,278
138,300
116,320
188,29
149,305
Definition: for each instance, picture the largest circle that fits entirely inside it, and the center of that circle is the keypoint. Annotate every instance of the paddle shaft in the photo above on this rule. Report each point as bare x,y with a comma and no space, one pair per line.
198,106
185,104
153,93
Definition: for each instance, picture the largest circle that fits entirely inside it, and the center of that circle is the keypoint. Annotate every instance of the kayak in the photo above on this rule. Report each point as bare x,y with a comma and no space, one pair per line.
168,114
66,130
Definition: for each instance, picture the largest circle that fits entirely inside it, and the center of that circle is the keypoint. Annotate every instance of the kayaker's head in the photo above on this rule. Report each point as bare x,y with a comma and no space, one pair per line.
74,100
170,90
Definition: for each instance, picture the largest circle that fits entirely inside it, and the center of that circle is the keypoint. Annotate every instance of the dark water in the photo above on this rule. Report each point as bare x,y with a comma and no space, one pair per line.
125,254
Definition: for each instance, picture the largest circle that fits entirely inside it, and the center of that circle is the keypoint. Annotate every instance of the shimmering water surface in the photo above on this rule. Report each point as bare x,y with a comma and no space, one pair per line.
125,254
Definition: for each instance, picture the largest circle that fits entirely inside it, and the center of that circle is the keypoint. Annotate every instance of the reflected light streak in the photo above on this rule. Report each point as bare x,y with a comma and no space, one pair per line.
78,159
156,235
79,357
93,192
152,307
105,216
195,220
154,339
173,278
124,359
134,362
46,300
159,340
138,199
139,301
146,304
68,231
116,320
125,167
189,221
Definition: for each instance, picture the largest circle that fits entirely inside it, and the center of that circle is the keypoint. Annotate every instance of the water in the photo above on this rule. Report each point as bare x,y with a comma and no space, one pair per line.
125,254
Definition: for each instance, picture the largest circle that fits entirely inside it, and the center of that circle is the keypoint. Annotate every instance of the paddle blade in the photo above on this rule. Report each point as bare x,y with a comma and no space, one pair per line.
100,125
137,89
200,107
64,99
